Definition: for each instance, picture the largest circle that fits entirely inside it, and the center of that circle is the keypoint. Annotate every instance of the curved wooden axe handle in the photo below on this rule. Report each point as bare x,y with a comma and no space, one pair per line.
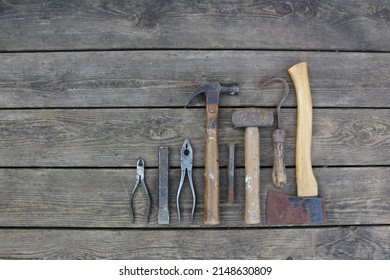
306,182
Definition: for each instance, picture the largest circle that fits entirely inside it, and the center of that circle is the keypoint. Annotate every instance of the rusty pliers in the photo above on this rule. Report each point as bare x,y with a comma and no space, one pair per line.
186,167
140,179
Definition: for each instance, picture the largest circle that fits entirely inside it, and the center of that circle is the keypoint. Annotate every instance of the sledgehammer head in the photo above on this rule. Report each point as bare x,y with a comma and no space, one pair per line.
253,117
284,209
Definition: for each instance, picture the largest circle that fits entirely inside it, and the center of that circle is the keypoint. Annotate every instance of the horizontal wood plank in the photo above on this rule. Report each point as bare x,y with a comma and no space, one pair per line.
87,87
365,242
98,198
138,24
117,137
167,78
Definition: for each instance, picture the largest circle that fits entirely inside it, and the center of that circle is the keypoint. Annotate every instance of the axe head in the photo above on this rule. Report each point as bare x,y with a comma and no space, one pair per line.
284,209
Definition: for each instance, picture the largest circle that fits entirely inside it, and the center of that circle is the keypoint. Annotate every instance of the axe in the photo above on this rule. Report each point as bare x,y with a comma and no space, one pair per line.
306,207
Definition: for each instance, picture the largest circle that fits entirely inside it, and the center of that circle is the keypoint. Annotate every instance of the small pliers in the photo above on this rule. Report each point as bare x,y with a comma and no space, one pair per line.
140,179
186,166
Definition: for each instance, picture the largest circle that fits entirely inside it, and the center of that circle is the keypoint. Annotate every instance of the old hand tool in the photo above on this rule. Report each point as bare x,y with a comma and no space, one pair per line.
279,176
211,194
252,119
140,179
307,207
231,168
163,189
186,167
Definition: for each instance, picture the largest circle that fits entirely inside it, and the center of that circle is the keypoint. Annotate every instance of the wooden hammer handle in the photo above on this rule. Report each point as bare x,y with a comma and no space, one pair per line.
306,182
252,175
211,192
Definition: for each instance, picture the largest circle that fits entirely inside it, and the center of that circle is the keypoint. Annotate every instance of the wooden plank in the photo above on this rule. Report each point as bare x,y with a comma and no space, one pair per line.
117,137
82,25
98,198
364,242
167,78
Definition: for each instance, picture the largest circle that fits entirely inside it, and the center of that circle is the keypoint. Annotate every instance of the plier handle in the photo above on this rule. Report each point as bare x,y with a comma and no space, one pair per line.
186,167
140,179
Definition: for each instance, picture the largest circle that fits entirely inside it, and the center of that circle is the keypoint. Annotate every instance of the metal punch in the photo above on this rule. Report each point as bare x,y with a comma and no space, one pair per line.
140,179
230,172
186,167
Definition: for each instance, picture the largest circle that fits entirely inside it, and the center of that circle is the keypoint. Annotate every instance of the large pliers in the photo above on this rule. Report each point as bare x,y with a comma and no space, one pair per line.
186,167
140,179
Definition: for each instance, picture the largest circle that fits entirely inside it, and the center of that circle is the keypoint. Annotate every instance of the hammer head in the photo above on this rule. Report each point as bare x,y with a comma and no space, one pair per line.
253,117
284,209
212,91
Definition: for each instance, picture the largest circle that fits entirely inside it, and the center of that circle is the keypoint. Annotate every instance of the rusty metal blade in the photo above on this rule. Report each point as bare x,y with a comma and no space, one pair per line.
284,209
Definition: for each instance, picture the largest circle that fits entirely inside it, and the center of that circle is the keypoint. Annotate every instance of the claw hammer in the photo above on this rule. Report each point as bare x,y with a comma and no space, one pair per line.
211,193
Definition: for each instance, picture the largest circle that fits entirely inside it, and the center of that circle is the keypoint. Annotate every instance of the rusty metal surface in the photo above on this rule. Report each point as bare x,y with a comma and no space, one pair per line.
283,209
253,117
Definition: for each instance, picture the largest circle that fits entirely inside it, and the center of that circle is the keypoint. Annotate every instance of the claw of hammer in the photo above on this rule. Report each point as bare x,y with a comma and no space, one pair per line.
212,91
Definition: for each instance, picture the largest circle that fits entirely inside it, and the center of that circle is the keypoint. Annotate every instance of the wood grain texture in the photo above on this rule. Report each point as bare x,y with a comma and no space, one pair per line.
252,175
117,137
167,78
98,198
86,87
138,24
315,243
211,167
306,182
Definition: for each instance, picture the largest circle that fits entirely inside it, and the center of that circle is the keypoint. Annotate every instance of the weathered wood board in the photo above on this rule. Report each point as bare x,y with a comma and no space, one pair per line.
88,87
117,137
98,198
364,242
167,78
353,25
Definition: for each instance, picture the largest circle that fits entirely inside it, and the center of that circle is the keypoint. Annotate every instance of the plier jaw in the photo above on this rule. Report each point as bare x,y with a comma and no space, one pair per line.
140,169
186,167
186,156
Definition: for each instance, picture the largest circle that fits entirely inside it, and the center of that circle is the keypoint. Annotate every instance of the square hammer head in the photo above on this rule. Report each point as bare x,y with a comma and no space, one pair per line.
284,209
253,117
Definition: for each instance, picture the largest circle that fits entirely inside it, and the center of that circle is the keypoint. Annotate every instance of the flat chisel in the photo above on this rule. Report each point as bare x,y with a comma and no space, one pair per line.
163,190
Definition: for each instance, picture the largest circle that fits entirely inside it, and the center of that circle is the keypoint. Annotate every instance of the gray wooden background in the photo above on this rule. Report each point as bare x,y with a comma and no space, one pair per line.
86,87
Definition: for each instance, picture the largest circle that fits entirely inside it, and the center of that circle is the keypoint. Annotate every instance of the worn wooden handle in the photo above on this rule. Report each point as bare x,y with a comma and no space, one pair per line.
252,175
306,182
279,176
211,192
